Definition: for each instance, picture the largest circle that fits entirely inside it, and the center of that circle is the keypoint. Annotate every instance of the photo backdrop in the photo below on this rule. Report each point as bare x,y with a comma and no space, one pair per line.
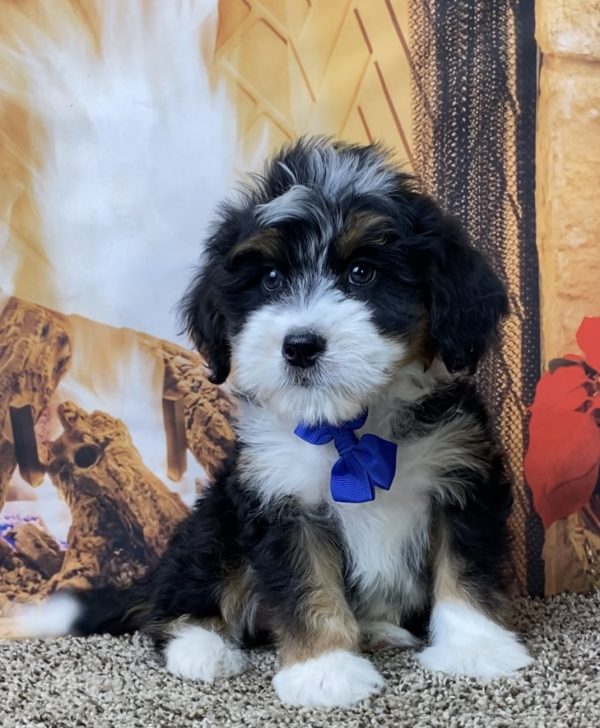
124,122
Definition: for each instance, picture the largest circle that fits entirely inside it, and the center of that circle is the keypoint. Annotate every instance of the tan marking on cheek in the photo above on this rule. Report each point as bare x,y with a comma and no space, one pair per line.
417,345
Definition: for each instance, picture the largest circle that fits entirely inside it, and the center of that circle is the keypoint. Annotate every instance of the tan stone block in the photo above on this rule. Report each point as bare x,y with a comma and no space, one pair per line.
568,198
568,27
568,308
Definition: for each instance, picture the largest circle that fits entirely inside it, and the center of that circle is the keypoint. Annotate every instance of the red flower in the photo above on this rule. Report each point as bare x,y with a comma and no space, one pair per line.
563,458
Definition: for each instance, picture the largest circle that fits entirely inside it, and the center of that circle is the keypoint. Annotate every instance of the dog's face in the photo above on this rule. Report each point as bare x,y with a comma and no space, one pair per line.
328,276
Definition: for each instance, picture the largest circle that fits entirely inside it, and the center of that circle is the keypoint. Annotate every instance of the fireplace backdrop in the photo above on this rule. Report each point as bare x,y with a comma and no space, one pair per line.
122,123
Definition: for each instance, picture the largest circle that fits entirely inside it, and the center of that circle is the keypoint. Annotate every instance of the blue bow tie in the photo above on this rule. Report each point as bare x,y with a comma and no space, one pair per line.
363,464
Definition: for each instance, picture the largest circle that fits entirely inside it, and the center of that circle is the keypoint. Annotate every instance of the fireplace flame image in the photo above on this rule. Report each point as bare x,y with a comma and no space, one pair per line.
123,151
115,147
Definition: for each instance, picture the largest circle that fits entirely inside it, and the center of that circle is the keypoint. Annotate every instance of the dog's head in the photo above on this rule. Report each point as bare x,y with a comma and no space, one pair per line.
328,275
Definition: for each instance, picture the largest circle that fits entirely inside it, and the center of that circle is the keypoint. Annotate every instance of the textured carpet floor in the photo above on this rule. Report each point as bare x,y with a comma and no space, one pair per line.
101,682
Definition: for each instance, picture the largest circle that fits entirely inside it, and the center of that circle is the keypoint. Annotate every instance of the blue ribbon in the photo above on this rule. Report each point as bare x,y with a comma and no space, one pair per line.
363,463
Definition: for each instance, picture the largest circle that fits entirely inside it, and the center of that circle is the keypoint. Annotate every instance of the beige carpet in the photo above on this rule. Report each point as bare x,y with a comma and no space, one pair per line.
101,682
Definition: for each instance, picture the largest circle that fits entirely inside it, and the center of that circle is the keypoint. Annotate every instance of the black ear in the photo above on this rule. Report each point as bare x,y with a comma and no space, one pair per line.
203,319
467,300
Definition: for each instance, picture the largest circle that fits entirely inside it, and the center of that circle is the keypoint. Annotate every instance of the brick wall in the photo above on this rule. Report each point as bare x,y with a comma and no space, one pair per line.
568,168
568,227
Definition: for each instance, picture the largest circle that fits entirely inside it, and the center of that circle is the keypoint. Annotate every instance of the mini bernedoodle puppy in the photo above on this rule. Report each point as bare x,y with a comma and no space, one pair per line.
366,502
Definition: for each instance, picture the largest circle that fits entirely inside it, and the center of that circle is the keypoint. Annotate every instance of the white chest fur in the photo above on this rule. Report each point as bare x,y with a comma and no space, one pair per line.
386,538
278,463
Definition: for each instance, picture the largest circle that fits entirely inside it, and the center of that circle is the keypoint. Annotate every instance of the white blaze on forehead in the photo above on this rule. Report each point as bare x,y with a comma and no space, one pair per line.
350,174
291,205
331,173
300,204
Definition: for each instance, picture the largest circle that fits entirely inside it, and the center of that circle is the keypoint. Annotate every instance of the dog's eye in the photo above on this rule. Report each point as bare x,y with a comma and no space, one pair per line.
361,274
272,280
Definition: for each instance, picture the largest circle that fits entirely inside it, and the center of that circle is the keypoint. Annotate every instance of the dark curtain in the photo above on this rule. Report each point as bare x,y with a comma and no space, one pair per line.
474,102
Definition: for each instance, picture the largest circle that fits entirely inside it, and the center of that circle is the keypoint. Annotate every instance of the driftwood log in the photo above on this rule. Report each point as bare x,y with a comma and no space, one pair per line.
122,514
206,410
38,549
35,352
26,567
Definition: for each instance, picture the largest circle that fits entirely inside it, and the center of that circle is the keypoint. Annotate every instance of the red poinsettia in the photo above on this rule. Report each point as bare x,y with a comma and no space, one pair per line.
563,459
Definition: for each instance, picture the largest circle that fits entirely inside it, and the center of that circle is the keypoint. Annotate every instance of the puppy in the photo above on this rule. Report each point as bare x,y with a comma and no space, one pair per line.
366,502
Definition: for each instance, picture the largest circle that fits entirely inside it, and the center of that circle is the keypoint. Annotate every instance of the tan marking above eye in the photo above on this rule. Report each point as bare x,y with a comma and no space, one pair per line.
361,228
264,242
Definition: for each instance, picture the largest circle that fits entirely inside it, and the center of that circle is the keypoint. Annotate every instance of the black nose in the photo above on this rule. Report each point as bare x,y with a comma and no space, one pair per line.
302,348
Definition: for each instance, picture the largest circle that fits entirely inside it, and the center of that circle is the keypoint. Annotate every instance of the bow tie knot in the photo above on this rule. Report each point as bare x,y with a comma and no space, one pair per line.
363,463
345,441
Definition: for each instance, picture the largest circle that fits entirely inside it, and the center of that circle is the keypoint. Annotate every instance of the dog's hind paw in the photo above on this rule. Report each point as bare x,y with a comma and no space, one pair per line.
196,653
333,680
381,635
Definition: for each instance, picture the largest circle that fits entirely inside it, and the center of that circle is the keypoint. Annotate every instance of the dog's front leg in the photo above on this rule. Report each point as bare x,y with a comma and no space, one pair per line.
317,650
466,635
300,572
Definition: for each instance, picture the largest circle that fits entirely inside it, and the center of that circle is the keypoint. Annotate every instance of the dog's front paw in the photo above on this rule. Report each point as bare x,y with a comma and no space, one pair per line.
195,653
484,661
333,680
466,642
